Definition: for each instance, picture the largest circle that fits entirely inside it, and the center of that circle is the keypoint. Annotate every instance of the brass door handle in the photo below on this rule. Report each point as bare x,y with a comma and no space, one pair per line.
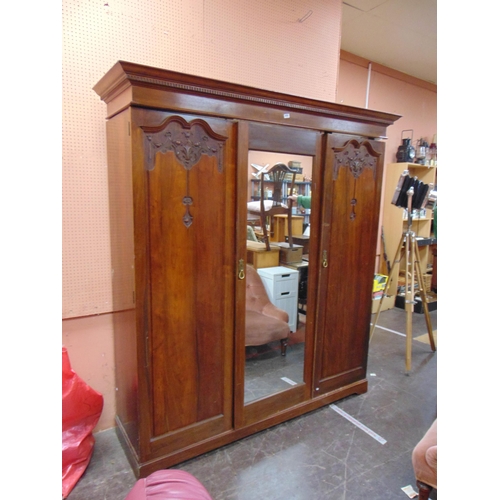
241,269
325,260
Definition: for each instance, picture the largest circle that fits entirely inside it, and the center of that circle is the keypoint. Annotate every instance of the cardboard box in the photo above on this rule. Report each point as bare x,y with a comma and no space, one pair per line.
296,166
259,257
388,303
288,254
303,241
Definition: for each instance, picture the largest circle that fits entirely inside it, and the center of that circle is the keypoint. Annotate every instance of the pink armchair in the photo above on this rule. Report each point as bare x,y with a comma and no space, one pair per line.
264,322
424,459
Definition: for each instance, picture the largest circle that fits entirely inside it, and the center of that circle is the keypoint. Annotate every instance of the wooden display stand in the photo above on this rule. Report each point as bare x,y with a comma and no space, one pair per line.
408,247
259,257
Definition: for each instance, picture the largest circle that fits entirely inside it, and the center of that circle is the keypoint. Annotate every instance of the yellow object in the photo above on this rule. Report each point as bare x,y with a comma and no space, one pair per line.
379,282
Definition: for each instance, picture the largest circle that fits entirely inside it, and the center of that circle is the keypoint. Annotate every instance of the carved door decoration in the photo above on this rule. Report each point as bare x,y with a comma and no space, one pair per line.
187,184
356,157
189,141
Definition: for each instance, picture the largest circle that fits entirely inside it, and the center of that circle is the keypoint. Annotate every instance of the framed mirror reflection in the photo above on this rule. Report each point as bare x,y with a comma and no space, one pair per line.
277,272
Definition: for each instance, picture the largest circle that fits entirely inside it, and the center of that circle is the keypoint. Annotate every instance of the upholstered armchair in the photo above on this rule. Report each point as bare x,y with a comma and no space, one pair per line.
264,322
424,459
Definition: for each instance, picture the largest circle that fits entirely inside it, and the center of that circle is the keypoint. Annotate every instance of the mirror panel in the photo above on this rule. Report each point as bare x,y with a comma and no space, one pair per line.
282,284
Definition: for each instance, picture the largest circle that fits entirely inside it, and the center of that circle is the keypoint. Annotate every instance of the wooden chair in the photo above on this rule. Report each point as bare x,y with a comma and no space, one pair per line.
279,204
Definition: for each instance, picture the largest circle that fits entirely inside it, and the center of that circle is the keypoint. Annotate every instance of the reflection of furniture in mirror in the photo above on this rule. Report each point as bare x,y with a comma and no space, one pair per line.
281,285
259,256
273,179
251,234
302,268
178,148
280,225
302,188
303,241
264,322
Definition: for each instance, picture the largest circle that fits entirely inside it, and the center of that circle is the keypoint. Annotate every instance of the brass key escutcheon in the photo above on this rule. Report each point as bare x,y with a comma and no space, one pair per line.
241,269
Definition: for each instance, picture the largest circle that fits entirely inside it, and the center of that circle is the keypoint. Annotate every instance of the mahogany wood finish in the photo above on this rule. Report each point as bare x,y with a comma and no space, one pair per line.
178,160
350,211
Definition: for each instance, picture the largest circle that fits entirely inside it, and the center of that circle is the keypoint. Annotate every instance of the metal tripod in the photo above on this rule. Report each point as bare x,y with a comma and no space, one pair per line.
409,248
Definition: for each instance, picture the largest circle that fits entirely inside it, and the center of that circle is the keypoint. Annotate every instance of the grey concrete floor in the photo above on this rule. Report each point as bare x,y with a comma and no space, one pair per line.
320,455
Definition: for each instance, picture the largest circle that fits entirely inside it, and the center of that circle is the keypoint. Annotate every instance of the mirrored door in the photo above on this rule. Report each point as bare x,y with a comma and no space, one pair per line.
277,353
276,291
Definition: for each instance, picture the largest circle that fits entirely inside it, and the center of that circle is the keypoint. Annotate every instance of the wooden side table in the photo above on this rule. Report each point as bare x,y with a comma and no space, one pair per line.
281,229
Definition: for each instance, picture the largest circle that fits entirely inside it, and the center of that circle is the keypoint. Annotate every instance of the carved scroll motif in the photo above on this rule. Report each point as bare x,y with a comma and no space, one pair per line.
189,141
356,157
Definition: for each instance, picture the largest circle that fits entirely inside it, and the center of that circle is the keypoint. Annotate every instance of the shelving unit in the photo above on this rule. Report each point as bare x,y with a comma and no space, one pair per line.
303,188
394,222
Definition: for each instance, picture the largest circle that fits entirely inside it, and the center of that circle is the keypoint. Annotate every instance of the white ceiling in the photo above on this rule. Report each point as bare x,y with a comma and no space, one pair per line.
399,34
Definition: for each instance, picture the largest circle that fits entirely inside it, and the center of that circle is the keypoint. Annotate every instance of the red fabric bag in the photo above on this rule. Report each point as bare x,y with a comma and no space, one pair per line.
81,409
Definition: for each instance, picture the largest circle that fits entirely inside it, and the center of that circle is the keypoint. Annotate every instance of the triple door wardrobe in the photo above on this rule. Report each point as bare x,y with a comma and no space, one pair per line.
177,149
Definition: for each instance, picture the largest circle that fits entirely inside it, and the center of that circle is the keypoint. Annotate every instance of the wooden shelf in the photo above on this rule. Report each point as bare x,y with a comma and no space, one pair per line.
393,222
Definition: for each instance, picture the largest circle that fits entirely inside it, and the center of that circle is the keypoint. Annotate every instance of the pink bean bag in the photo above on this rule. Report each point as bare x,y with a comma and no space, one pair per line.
169,484
81,409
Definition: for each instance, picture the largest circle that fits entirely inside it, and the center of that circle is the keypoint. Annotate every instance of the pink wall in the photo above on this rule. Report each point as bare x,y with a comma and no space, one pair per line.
393,92
254,43
89,341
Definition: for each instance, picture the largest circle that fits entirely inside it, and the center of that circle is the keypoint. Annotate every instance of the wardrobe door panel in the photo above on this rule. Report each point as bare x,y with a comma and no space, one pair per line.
351,194
190,200
265,390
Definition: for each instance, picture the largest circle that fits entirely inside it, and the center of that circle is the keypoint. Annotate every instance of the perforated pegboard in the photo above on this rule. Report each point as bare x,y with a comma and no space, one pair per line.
289,46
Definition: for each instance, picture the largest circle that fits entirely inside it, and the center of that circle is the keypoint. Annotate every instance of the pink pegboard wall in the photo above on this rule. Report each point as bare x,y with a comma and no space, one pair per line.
257,43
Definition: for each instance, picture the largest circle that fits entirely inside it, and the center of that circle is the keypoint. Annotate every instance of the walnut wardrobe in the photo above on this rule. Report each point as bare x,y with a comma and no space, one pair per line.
177,148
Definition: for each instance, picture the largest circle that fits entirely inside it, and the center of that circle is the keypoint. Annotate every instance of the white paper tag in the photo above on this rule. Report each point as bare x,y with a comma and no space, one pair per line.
288,381
410,491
